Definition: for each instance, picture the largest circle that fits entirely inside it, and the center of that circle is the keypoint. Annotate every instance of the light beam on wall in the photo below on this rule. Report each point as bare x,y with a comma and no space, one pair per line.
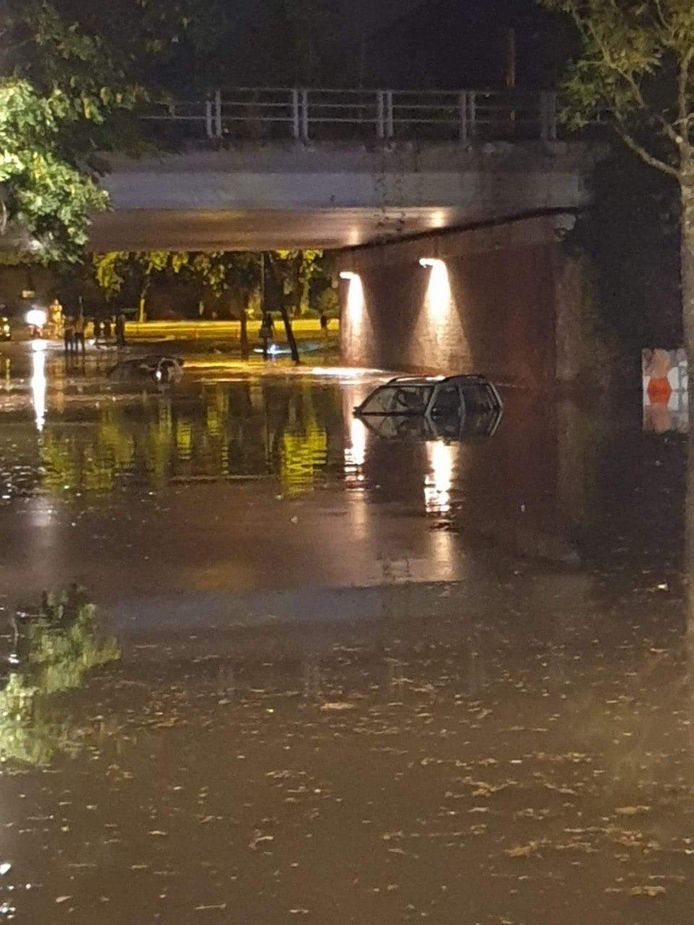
439,298
356,308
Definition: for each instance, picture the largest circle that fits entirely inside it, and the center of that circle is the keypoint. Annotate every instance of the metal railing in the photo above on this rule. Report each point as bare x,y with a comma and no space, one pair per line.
384,115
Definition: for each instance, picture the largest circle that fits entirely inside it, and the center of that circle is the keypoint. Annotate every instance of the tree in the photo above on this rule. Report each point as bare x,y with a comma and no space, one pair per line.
43,193
217,272
286,282
636,73
68,71
292,272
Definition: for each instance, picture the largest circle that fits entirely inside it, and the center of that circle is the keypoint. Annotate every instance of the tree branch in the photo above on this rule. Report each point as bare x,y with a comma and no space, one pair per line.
645,155
683,101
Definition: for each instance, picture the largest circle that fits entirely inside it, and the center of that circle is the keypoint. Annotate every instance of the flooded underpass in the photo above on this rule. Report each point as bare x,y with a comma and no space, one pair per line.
335,673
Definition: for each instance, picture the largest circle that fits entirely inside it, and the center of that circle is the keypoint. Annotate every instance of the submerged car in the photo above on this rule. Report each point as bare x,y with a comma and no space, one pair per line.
449,427
445,403
160,369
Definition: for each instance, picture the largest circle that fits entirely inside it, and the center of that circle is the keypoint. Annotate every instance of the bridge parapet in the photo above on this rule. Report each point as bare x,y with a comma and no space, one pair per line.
358,115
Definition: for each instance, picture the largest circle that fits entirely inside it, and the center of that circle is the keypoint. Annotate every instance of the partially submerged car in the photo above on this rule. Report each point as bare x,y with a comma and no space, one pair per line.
449,406
449,427
160,369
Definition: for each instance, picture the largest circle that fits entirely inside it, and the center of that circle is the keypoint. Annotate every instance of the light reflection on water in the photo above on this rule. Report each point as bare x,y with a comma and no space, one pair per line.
531,487
96,440
439,479
38,383
514,730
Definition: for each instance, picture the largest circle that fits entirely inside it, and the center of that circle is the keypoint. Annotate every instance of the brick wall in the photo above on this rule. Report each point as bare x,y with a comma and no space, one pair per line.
495,305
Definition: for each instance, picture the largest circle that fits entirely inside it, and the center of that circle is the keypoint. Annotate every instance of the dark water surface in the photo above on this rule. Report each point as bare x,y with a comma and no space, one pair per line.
338,678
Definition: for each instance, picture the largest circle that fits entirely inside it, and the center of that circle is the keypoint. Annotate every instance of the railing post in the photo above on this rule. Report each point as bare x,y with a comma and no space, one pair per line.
219,128
209,123
472,113
296,114
380,114
390,125
304,115
463,108
551,115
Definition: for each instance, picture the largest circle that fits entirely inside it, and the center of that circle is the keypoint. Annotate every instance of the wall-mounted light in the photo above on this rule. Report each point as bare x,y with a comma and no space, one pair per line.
348,274
429,262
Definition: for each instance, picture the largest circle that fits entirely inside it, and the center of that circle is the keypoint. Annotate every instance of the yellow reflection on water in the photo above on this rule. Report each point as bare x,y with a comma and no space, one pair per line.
302,454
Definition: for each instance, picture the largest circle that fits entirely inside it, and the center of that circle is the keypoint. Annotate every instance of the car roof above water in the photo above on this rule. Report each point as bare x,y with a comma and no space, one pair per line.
437,380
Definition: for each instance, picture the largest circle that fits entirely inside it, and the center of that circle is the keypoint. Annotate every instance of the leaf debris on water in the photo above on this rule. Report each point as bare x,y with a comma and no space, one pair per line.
523,851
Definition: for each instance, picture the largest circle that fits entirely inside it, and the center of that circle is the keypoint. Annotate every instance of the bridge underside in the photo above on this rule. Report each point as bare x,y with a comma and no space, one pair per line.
262,197
257,230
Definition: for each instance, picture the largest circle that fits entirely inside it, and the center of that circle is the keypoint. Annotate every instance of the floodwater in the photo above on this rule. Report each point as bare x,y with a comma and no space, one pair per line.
334,676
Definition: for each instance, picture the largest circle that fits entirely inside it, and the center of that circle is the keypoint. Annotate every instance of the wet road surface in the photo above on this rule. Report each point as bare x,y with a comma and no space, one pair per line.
339,677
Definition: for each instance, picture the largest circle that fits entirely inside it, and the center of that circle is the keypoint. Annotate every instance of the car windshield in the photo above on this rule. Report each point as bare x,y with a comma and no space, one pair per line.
479,397
398,399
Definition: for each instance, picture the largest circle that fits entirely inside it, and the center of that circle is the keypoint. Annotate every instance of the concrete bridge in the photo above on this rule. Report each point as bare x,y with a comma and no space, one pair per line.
270,168
330,195
475,184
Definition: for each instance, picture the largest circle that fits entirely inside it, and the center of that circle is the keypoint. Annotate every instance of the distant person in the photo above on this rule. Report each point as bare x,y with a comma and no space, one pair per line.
324,322
68,333
80,325
107,329
55,314
120,329
266,333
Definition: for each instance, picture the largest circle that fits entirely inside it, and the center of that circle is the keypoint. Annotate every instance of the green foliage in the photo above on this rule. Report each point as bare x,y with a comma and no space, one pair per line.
294,272
108,273
636,73
69,73
217,272
94,57
29,734
64,646
42,192
328,302
57,649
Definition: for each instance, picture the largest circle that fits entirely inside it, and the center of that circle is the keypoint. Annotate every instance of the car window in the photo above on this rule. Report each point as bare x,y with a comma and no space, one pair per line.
398,399
478,397
447,401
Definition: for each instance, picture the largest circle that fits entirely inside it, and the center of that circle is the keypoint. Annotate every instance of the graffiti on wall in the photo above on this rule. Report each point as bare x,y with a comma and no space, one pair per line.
665,390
